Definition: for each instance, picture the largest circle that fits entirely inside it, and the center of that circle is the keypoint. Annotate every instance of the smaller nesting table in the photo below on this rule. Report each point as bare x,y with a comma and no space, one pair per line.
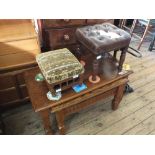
72,102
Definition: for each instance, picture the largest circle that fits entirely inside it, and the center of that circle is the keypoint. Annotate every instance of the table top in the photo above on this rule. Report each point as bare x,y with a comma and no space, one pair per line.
37,90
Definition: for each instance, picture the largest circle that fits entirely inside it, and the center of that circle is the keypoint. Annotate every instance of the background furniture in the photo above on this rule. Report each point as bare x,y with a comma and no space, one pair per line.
18,47
72,102
2,126
148,25
60,33
151,47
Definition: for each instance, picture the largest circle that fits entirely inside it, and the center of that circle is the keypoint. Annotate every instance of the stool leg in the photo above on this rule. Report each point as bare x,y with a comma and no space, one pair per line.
115,54
51,89
81,79
122,59
78,52
95,69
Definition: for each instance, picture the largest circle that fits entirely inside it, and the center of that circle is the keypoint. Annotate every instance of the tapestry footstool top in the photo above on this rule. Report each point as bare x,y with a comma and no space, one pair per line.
102,37
59,65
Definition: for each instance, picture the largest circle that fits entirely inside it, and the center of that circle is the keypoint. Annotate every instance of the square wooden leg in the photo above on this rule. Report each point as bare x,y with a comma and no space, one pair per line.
46,121
60,120
118,96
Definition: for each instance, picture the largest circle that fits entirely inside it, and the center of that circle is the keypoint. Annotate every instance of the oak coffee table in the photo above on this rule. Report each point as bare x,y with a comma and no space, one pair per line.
72,102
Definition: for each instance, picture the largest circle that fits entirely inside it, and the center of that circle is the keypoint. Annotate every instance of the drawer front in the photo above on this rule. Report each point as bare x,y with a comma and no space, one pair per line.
20,78
9,81
99,21
28,45
12,88
61,37
6,82
8,96
49,23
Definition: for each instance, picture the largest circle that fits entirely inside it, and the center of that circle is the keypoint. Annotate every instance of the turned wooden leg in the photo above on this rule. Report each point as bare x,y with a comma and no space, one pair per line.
122,59
95,69
81,79
60,120
118,96
78,51
46,121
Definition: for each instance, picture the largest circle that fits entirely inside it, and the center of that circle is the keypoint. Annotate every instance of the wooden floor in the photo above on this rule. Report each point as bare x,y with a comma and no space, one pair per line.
136,114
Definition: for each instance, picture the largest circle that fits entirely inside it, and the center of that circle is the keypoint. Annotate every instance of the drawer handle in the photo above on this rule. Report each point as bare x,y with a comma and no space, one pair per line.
67,20
66,37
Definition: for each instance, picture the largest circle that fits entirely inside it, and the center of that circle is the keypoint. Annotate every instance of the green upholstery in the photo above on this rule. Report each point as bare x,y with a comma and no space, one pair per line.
59,65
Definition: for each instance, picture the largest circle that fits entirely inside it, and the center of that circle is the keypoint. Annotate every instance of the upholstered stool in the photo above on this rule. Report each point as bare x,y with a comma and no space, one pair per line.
60,68
102,38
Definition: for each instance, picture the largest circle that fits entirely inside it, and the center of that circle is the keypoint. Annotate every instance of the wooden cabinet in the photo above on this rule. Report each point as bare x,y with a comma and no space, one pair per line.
99,21
18,48
59,33
48,23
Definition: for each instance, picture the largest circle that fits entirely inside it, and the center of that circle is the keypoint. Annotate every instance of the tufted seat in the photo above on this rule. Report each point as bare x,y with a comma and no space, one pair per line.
100,39
103,37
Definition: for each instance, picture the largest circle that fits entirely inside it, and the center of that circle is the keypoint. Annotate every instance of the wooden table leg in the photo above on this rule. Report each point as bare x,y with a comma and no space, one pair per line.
118,97
122,59
46,121
60,120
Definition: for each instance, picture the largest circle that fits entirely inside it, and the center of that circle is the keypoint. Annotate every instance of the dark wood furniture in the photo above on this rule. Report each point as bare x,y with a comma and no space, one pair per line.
99,41
60,33
18,47
2,126
72,102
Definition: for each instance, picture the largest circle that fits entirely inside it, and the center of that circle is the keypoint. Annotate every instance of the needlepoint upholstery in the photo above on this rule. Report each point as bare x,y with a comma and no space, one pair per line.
59,65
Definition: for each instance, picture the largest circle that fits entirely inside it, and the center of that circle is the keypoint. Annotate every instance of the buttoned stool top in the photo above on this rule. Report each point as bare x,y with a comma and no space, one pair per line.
103,38
59,65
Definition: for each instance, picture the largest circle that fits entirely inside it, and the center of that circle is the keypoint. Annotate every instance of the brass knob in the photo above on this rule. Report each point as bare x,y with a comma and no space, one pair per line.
66,37
66,20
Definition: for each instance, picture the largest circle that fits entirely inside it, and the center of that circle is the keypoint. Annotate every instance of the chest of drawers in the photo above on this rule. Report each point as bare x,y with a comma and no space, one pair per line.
18,47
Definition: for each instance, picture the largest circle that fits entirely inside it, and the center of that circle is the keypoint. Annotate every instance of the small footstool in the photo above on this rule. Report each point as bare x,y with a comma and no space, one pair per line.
61,69
100,39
